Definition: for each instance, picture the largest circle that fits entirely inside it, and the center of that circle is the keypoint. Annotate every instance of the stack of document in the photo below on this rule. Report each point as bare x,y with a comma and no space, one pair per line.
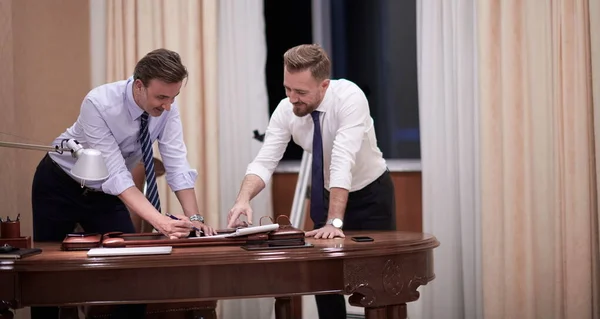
244,231
165,250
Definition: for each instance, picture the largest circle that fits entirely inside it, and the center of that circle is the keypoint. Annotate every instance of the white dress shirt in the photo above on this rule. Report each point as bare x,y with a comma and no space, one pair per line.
109,121
350,151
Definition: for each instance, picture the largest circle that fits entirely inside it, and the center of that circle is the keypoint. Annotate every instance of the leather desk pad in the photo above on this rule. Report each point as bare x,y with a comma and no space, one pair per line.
285,235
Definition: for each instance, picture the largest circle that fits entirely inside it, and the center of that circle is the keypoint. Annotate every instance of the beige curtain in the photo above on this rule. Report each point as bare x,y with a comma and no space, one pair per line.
539,194
594,27
134,28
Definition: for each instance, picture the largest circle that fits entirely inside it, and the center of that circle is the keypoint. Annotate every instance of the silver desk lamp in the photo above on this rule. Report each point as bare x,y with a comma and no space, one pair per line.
90,165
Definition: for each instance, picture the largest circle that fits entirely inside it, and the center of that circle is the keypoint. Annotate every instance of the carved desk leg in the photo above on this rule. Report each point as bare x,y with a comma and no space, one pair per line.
387,312
283,307
5,312
68,313
383,285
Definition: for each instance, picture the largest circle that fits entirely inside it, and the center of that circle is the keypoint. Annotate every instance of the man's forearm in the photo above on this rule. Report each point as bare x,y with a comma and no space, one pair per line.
338,198
251,186
187,199
137,202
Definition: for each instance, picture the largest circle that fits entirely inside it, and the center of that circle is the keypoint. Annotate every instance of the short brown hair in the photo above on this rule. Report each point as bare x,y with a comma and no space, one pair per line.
308,56
161,64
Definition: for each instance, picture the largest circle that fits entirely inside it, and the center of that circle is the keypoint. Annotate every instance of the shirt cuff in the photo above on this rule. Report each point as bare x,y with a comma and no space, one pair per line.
118,183
260,171
340,180
182,180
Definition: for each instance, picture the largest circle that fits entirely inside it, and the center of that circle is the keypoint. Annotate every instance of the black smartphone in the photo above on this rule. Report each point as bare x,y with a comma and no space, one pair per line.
362,239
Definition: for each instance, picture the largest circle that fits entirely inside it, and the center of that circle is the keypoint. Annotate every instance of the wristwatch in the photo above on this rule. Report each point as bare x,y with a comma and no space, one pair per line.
197,218
335,222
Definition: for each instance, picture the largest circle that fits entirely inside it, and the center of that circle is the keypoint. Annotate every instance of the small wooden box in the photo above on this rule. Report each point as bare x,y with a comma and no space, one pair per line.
20,242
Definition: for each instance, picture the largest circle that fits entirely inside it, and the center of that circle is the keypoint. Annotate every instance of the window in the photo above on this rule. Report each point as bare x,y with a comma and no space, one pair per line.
287,23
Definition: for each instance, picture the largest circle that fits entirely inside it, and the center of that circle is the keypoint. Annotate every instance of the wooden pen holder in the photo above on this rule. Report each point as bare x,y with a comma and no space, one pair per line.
10,233
10,229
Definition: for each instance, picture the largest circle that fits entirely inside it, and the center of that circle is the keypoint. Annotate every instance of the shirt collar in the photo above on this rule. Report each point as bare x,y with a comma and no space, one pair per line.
133,108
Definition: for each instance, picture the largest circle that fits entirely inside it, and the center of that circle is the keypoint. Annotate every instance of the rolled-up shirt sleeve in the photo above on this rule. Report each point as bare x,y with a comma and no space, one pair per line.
173,152
353,115
98,136
277,137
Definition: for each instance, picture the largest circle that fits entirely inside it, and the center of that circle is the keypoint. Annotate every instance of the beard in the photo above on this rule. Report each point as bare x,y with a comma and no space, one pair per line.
302,109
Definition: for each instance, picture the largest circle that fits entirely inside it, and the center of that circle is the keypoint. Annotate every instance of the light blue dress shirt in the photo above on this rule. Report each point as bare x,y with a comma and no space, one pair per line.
109,121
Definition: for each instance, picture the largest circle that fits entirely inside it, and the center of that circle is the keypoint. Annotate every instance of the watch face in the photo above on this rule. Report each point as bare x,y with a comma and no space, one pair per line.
337,223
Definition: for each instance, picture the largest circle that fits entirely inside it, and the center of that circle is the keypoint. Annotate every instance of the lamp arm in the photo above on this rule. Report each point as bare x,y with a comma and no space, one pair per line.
89,166
72,146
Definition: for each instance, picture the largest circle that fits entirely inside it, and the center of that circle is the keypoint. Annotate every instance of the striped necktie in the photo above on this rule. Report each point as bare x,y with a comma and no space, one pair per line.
151,188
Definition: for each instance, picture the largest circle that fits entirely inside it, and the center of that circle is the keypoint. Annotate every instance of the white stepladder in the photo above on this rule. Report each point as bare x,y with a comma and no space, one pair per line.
302,186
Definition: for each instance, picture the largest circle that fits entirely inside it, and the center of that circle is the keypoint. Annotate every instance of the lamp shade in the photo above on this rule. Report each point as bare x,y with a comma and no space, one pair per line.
90,166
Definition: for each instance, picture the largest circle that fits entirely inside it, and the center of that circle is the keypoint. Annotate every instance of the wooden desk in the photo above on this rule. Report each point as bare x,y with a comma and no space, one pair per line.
381,276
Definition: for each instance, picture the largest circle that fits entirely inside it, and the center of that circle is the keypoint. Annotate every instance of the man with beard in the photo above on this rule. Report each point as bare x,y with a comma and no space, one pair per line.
351,187
121,120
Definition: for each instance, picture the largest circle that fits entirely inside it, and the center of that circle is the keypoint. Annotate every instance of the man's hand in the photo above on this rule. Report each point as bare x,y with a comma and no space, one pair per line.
240,208
207,230
326,232
173,228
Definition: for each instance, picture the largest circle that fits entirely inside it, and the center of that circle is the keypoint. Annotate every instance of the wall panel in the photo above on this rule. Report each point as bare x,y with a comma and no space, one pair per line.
44,75
407,187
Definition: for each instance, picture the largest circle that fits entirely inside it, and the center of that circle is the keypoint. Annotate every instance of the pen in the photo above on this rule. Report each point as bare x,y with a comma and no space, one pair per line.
194,227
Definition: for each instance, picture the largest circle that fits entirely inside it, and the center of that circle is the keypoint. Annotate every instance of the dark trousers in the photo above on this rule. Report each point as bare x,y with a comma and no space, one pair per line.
371,208
59,203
